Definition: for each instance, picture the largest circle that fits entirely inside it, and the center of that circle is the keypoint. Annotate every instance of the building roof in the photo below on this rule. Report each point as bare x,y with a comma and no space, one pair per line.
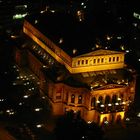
100,80
110,86
66,31
100,52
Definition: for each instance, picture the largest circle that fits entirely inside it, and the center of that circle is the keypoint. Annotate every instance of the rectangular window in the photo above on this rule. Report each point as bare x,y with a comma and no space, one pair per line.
78,62
117,58
109,59
86,61
102,60
113,59
94,61
82,61
98,60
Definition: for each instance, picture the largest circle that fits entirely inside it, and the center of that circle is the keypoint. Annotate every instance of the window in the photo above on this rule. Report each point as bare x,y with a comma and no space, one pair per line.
80,99
100,99
113,59
109,59
98,60
86,61
114,99
102,60
72,98
78,62
94,60
107,99
117,58
82,61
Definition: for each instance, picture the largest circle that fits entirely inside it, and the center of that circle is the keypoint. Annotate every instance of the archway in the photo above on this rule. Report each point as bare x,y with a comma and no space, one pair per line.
114,99
119,118
107,99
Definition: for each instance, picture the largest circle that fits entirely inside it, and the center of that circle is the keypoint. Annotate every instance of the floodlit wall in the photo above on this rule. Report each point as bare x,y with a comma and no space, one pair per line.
76,64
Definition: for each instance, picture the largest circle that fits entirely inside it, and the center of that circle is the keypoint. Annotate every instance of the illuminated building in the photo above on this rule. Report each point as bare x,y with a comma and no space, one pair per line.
12,12
97,84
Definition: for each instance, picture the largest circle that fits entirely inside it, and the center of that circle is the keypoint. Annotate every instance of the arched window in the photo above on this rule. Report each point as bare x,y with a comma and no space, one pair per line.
93,102
104,119
107,99
80,99
114,99
119,118
72,98
100,99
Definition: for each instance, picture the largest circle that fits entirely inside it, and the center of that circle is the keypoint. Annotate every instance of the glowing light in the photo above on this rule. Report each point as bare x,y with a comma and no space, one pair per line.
102,105
37,109
53,11
116,103
39,125
1,100
25,96
138,115
60,40
123,103
98,101
89,122
127,119
108,37
19,16
136,15
106,122
20,103
14,83
119,99
127,51
74,51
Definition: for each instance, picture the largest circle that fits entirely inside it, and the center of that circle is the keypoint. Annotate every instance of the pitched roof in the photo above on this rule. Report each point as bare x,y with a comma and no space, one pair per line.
110,86
100,52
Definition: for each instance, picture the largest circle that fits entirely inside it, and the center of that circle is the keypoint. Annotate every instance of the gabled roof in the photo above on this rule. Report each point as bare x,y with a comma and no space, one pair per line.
100,53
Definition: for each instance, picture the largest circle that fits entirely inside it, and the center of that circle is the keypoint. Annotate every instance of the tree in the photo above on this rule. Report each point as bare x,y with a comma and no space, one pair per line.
71,127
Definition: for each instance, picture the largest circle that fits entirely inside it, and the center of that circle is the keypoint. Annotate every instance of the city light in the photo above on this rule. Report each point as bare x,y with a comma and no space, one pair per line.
138,115
25,96
39,125
37,109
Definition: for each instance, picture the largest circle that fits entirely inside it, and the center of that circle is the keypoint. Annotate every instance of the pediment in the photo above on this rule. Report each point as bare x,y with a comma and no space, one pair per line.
110,86
100,52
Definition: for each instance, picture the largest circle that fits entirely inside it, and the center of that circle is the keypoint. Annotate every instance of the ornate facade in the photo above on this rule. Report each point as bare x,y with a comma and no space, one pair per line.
97,84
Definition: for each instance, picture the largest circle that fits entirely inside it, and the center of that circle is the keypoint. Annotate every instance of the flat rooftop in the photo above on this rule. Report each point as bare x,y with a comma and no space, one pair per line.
66,31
